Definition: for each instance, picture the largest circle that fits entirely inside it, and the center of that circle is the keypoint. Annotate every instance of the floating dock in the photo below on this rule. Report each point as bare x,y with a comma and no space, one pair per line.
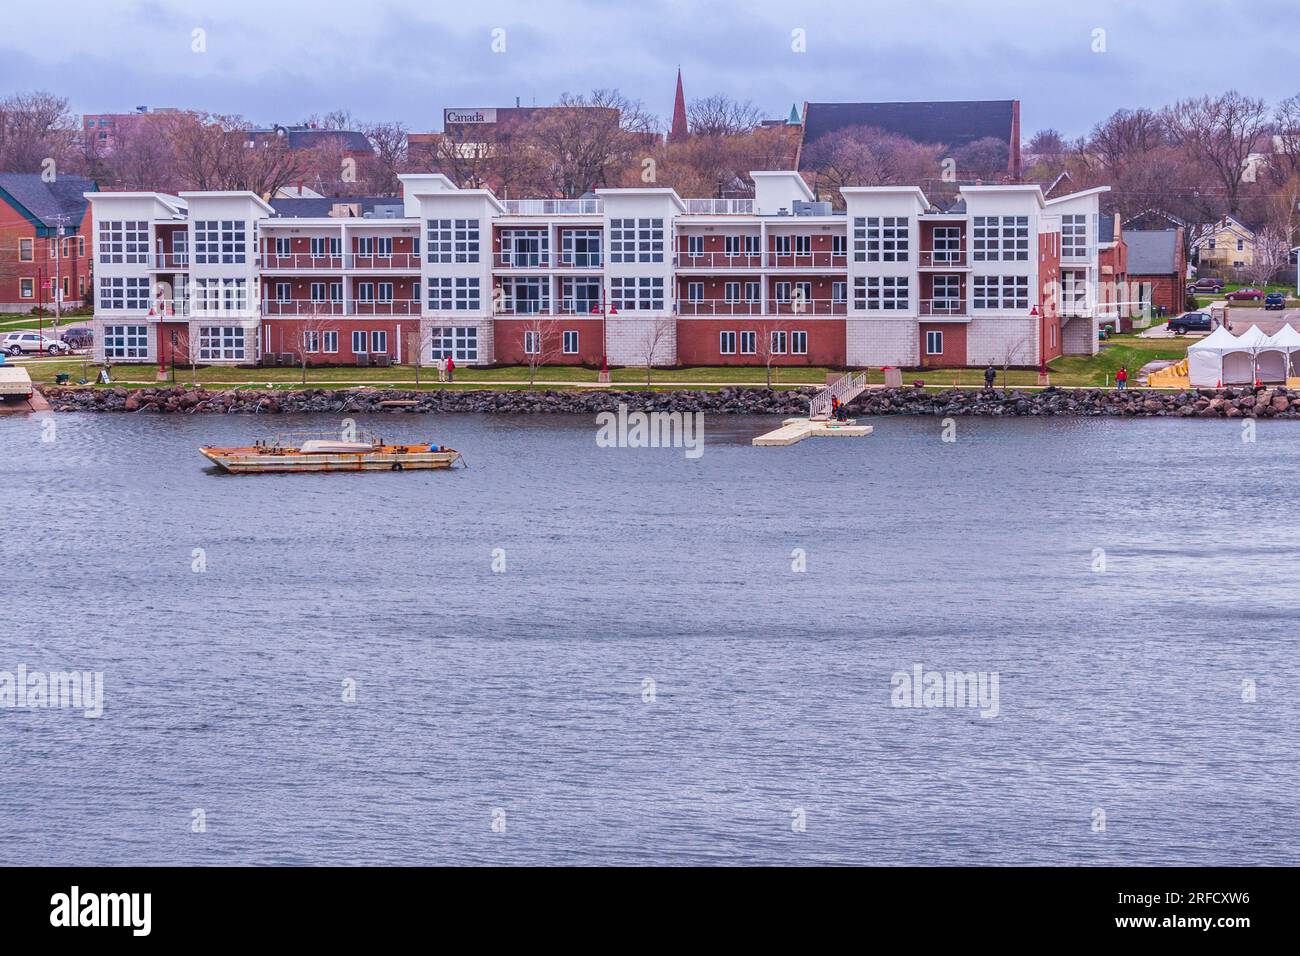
797,429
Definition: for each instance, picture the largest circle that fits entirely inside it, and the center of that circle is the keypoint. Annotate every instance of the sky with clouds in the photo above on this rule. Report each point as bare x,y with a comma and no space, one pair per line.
282,60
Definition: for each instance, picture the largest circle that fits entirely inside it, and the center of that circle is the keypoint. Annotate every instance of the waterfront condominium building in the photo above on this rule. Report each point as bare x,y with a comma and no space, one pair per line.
1002,275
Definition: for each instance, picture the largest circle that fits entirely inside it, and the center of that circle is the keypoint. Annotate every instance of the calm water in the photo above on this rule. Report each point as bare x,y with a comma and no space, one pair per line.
479,692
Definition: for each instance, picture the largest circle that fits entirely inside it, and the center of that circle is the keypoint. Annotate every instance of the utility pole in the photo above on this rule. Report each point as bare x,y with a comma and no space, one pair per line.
58,272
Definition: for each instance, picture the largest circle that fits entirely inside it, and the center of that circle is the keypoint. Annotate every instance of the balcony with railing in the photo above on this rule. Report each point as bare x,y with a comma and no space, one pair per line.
806,260
303,261
383,307
944,308
553,207
718,260
717,307
580,260
809,307
400,261
305,308
943,259
170,261
719,207
521,260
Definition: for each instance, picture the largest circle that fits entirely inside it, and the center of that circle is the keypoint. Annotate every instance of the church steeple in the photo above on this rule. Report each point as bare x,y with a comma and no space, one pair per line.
678,132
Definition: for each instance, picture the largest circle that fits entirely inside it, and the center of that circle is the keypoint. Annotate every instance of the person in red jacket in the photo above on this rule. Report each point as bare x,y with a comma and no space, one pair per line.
1121,378
451,369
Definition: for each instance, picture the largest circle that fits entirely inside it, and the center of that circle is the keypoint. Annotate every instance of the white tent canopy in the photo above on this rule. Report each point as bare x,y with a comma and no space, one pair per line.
1222,358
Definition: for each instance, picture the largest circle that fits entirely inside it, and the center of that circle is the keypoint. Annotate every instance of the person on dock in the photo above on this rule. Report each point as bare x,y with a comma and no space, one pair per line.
1121,378
989,375
442,369
451,369
835,406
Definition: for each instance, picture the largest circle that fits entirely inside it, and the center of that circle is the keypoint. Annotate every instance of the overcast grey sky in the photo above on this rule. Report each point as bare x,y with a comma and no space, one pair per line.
280,60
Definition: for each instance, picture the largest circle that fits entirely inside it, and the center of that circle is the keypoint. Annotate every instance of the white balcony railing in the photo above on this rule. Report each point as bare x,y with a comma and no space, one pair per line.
717,307
943,308
553,207
719,207
171,260
718,260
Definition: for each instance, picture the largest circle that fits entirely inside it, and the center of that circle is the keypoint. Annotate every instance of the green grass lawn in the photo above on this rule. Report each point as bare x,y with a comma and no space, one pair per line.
1070,370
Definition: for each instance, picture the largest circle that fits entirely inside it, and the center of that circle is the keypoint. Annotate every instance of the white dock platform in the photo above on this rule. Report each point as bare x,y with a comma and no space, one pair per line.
797,429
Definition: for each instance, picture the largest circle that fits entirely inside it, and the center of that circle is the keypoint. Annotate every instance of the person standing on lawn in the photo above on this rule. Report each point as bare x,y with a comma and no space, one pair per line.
1121,378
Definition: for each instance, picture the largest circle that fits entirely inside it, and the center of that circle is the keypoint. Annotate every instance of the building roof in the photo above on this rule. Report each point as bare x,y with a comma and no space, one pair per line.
43,203
1152,251
308,137
320,208
952,124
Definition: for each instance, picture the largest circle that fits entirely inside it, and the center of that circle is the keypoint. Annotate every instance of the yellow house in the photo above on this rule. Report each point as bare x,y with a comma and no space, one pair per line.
1224,246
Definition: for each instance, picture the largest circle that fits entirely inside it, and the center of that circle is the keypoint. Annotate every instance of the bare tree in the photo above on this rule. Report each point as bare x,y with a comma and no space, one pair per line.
1015,352
988,156
865,156
1124,136
415,347
542,332
36,127
720,115
1270,254
388,140
312,327
653,338
585,141
773,339
1222,132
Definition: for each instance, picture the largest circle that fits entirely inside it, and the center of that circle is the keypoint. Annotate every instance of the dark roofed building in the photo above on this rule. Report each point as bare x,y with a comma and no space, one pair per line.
37,260
953,124
1157,264
309,137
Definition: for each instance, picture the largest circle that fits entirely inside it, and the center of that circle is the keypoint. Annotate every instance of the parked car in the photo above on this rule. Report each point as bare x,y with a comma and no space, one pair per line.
1275,300
16,343
1245,295
78,337
1206,285
1191,322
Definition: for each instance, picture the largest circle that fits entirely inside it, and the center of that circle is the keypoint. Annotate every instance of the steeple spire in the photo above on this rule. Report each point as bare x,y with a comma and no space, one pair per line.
678,132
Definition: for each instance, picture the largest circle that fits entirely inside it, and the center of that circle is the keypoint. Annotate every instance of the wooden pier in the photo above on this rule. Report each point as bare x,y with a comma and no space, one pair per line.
797,429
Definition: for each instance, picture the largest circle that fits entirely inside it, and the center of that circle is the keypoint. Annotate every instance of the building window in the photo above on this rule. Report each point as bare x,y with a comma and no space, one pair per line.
933,343
636,240
839,292
881,293
727,343
311,341
26,288
365,292
530,296
366,247
839,245
731,292
330,342
570,343
460,343
735,246
216,295
695,246
695,292
781,245
378,341
321,246
219,241
126,341
283,247
360,344
629,294
752,292
317,291
452,240
580,247
1001,292
385,292
880,239
778,342
1241,245
532,342
748,343
123,241
783,292
123,293
581,296
523,248
459,294
221,343
798,343
1074,236
1005,238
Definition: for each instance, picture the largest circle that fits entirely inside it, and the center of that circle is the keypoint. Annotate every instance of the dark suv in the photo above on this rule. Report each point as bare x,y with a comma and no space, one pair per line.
78,338
1275,300
1206,285
1191,322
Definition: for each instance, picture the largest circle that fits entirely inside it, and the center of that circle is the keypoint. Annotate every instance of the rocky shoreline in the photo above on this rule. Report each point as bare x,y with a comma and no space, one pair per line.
1264,402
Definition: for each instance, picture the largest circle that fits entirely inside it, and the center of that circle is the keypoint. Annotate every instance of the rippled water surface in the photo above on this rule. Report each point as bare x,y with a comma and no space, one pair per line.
522,697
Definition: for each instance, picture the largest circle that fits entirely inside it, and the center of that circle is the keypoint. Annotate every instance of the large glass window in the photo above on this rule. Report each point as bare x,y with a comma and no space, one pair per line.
642,293
459,342
223,241
221,343
126,341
